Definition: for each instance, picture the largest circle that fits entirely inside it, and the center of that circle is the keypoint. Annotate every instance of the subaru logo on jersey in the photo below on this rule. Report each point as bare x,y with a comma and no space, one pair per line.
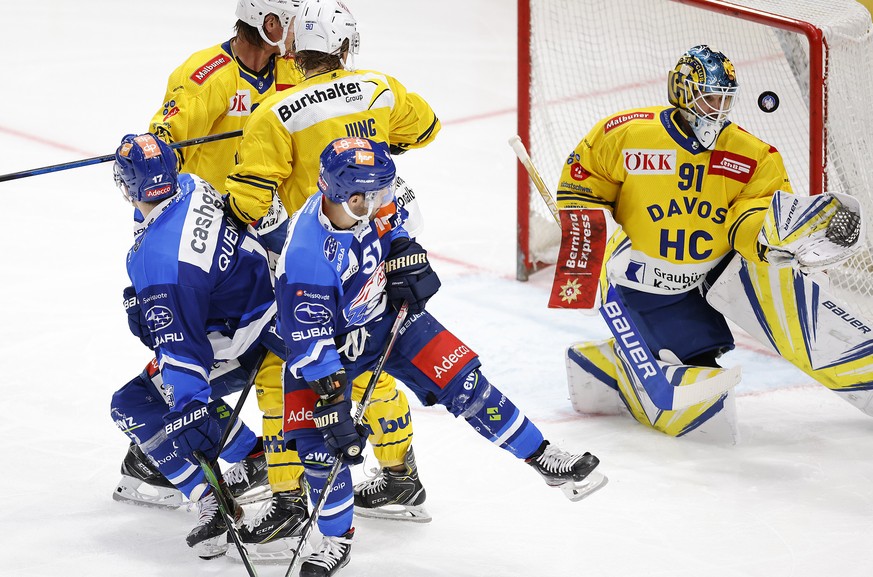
312,313
159,317
644,161
330,246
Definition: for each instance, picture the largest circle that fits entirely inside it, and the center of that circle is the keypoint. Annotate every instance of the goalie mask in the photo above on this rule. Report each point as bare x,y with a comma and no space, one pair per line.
254,12
145,168
350,166
324,26
703,86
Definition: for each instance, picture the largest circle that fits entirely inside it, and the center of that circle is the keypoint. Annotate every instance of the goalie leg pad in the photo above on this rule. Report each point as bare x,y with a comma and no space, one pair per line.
863,400
713,419
592,378
825,337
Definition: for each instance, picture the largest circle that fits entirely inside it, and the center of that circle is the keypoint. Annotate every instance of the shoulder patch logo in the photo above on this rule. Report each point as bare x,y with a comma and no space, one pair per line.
200,75
616,121
733,166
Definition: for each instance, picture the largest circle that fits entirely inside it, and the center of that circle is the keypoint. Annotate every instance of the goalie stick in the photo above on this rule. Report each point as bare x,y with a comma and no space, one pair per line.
359,415
109,157
646,371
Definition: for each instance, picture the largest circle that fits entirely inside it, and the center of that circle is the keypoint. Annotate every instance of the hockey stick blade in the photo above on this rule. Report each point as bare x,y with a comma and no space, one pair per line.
224,505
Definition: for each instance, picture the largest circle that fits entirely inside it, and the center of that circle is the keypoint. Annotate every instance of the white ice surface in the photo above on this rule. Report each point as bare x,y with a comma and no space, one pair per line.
792,499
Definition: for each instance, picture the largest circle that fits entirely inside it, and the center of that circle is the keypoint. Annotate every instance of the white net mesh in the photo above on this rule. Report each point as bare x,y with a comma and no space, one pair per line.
594,58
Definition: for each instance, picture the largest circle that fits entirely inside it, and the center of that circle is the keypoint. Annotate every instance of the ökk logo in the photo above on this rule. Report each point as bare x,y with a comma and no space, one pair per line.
159,317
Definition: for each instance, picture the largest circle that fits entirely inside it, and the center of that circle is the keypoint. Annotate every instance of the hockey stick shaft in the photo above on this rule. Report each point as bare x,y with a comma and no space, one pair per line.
521,152
210,469
359,415
644,367
109,157
226,508
250,380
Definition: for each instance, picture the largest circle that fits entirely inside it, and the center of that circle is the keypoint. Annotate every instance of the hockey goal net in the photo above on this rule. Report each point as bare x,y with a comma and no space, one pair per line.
581,61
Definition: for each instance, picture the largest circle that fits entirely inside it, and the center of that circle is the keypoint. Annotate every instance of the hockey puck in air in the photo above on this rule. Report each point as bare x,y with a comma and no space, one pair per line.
768,101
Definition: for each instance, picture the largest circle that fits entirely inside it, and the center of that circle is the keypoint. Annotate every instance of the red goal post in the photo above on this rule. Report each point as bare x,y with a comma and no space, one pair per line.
579,61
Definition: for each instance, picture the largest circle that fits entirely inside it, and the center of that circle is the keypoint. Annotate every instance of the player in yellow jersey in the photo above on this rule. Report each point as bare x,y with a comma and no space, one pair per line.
689,188
216,89
279,154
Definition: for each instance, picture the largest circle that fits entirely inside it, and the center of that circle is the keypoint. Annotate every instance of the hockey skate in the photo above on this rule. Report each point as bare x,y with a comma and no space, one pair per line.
573,474
247,480
273,534
207,538
394,495
142,484
332,555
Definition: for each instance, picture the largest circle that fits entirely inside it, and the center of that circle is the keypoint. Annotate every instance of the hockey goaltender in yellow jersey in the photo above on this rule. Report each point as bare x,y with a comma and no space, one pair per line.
682,220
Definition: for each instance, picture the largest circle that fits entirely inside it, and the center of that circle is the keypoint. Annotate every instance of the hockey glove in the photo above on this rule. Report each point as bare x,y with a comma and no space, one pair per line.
340,433
812,233
410,276
193,429
231,214
136,318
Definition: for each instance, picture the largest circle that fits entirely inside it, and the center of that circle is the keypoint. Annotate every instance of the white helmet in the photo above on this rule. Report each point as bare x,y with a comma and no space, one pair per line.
323,25
254,12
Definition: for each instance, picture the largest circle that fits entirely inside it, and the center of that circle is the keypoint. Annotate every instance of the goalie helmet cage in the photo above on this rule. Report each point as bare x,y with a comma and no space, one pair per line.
580,61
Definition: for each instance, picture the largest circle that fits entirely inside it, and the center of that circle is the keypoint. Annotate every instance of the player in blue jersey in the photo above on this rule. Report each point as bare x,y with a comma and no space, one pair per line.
346,262
206,291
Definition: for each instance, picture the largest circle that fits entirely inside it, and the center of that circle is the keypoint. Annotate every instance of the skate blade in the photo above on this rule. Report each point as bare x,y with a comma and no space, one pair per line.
278,552
211,548
581,489
410,513
254,495
137,492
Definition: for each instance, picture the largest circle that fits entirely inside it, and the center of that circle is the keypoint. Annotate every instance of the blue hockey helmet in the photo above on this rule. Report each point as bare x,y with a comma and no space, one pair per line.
703,86
145,168
351,166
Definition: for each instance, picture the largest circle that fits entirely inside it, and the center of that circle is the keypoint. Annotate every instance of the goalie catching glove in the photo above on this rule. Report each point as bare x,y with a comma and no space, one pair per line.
811,232
410,276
